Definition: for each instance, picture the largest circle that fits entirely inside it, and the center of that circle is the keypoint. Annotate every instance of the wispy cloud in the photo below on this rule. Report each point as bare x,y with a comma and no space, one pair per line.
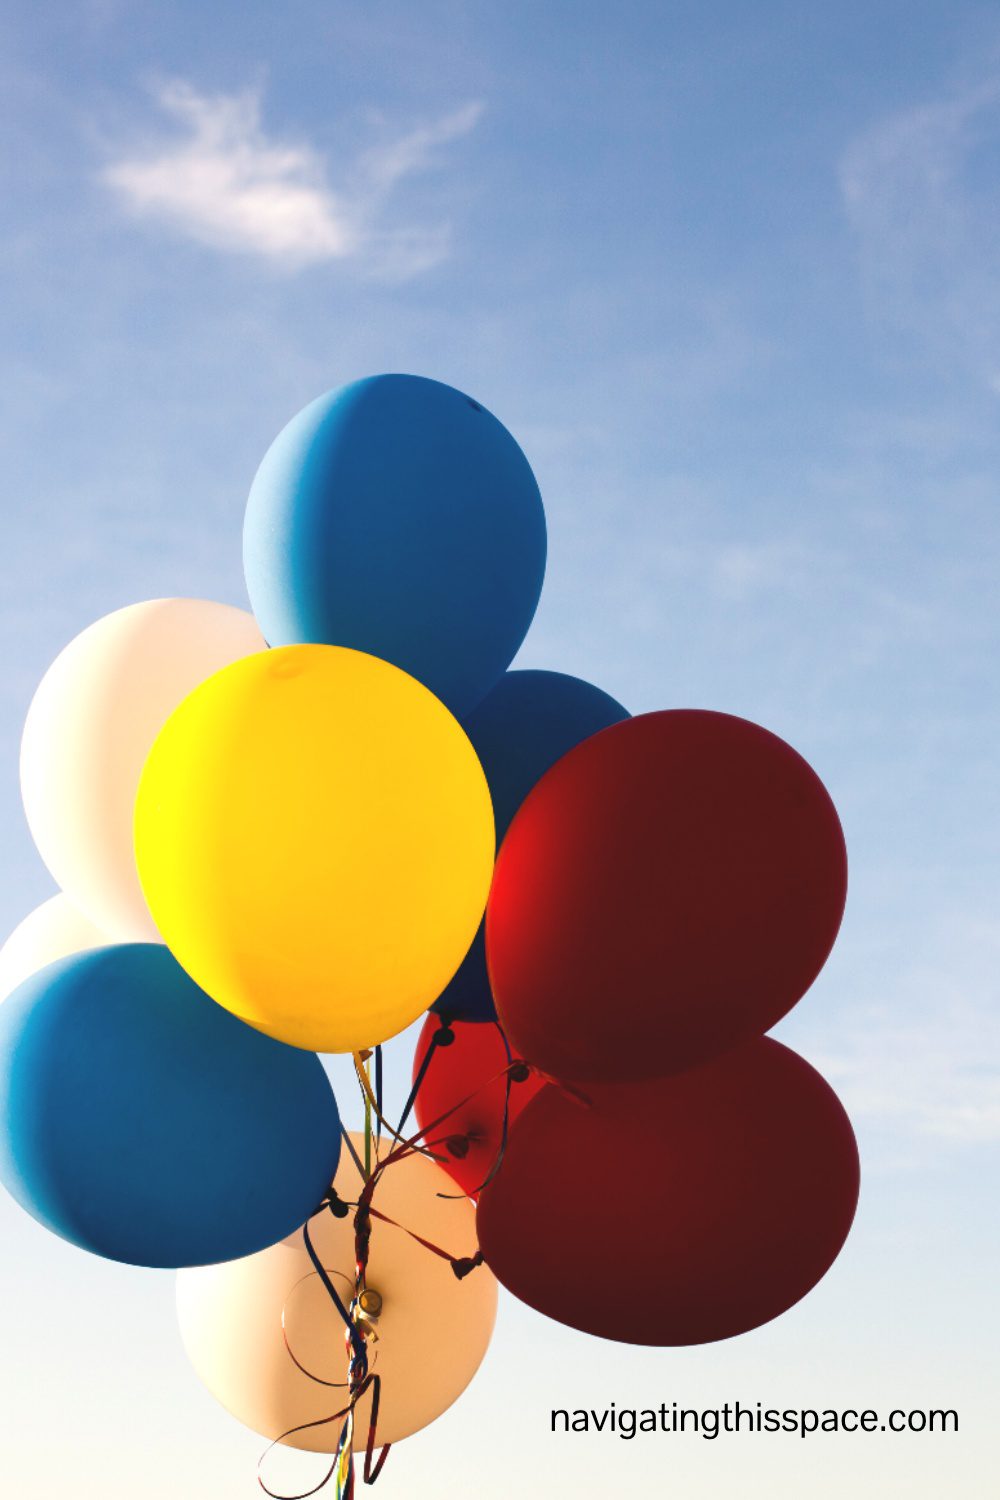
917,1046
742,571
225,183
384,166
937,1077
922,198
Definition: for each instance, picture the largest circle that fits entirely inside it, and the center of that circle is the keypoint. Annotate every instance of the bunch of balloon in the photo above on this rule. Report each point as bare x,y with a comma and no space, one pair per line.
301,830
665,894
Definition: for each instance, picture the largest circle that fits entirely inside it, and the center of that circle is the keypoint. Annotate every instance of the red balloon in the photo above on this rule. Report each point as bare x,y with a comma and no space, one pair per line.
669,889
471,1136
677,1211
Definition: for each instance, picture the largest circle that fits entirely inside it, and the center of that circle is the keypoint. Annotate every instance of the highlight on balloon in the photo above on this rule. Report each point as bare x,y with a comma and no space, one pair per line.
302,830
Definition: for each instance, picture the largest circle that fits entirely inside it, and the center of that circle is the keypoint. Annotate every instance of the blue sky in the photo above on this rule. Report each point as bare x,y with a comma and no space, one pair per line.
729,274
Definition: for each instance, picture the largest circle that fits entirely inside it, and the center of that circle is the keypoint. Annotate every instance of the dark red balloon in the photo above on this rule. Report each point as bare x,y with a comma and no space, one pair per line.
470,1138
677,1211
669,889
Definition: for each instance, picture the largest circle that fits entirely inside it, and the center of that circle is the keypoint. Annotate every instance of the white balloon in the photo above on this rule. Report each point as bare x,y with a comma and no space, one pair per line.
53,930
91,725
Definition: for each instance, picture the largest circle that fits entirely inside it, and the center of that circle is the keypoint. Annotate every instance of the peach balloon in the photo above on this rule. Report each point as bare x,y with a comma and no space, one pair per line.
432,1332
91,724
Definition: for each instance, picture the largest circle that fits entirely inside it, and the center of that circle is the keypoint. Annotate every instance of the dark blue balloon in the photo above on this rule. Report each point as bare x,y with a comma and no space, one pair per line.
141,1121
397,516
528,722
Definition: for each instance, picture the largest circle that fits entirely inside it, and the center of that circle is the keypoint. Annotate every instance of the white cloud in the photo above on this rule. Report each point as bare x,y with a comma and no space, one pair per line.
922,199
226,184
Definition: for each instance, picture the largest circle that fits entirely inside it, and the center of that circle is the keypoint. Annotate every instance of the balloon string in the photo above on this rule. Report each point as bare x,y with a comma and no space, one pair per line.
411,1145
372,1471
460,1264
503,1038
352,1331
371,1103
292,1432
361,1061
501,1149
360,1379
515,1071
443,1030
378,1095
405,1148
505,1125
300,1494
310,1375
517,1067
343,1460
354,1155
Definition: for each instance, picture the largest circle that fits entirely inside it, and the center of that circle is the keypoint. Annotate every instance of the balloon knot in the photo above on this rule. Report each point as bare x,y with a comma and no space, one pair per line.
337,1206
444,1036
458,1145
519,1072
466,1264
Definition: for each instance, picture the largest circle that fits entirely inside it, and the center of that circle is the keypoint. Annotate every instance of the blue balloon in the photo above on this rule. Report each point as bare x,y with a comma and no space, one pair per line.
141,1121
397,516
528,722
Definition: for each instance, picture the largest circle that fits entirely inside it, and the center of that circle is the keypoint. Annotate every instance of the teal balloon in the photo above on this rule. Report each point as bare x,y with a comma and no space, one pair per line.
397,516
141,1121
520,729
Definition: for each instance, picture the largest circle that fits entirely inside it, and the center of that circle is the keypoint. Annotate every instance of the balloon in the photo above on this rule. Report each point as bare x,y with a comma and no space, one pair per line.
519,730
469,1065
91,723
671,888
432,1333
397,516
528,721
53,930
315,840
677,1211
143,1123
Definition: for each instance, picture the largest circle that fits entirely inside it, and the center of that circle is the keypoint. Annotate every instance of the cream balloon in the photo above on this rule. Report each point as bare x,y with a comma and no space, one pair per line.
53,930
433,1330
91,725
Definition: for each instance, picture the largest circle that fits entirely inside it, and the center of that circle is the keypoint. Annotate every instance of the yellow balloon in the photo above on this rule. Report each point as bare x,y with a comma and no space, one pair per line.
432,1330
314,837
